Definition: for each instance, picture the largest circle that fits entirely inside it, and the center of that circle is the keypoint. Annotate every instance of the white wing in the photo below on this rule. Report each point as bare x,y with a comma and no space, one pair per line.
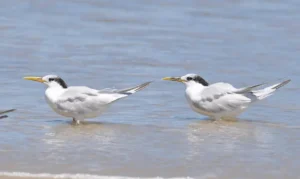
78,92
221,98
81,100
217,89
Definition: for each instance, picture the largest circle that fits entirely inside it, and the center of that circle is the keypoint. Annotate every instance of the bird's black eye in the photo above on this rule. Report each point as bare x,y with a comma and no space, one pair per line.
189,78
51,79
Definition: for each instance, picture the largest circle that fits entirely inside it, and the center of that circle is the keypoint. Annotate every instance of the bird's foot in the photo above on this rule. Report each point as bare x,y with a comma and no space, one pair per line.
75,121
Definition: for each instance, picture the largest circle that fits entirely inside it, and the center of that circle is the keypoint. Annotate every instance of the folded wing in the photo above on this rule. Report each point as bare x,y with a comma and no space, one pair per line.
222,97
81,99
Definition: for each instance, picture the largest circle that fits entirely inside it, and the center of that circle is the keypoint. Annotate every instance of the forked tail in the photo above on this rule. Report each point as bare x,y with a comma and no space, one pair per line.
263,93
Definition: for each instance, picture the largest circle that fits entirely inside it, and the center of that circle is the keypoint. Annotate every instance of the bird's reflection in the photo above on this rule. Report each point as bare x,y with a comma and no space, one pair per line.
88,134
208,136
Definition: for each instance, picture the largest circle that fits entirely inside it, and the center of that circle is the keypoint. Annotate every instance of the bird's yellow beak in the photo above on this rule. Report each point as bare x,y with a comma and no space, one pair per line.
34,78
178,79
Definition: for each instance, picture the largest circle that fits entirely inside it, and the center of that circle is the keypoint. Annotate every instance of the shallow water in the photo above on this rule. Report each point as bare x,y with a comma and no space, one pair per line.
152,133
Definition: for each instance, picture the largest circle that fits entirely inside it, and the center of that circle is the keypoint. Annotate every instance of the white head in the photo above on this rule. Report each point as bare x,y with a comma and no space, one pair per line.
189,79
49,80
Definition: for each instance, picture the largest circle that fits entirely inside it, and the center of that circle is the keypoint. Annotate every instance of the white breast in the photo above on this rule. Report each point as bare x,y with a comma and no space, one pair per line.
192,103
51,95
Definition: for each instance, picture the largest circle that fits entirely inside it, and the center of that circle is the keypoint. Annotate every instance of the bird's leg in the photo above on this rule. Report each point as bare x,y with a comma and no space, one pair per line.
215,118
75,121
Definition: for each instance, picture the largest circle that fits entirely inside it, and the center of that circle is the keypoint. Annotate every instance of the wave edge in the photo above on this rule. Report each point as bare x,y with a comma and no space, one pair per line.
73,176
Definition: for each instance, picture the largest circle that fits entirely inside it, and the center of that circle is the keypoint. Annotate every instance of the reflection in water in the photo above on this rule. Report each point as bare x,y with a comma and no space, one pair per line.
215,136
226,137
94,132
235,145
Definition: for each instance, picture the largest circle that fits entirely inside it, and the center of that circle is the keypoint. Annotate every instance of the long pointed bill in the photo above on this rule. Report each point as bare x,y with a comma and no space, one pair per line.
178,79
34,78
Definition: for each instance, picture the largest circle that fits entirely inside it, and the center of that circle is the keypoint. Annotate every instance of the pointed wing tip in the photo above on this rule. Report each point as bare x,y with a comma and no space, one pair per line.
148,83
135,89
282,84
4,116
287,81
7,111
144,85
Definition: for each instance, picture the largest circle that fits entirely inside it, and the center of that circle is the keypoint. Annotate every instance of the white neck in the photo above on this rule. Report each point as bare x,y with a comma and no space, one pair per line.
54,84
53,92
193,84
193,89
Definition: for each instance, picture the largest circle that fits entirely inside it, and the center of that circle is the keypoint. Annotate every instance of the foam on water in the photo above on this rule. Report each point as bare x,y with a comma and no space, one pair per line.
72,176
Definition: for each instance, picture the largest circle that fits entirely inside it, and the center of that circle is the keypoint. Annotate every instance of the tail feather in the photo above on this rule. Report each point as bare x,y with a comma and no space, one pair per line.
130,91
266,92
247,89
281,84
7,111
3,112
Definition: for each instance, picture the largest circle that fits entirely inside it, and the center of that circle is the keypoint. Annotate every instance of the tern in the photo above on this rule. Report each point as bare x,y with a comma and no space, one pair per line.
80,102
4,112
221,100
